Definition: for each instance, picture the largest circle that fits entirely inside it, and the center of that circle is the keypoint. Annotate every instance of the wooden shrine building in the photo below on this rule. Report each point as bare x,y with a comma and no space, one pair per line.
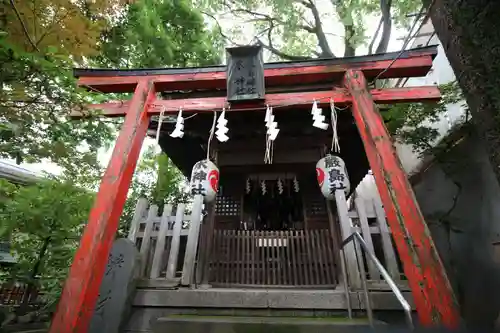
269,226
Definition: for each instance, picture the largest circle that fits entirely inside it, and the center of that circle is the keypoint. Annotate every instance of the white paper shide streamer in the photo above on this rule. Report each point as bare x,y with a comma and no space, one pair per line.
248,187
318,117
222,129
271,134
280,186
179,126
263,187
296,186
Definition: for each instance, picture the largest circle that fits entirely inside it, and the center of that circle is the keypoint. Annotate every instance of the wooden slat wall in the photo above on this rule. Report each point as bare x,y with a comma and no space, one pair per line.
301,258
315,212
12,295
228,209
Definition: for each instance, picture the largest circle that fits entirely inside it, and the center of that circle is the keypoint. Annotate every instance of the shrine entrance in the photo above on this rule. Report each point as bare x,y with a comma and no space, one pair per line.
277,259
273,204
280,254
267,238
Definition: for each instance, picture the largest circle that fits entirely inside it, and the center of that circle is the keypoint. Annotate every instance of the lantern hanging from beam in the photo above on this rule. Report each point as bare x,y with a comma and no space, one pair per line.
245,73
205,180
332,176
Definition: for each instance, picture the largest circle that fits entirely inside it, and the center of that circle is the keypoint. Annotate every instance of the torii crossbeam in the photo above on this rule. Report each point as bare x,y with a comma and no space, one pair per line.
432,293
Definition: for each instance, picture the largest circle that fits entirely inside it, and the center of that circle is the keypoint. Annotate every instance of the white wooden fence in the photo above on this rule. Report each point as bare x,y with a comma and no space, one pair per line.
367,216
168,243
162,240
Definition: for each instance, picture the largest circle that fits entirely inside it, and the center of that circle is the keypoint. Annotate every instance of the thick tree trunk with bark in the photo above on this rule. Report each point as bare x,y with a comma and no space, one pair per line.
469,31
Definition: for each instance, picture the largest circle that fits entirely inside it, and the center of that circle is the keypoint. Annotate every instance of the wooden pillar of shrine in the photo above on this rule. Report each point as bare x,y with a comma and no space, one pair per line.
432,292
81,289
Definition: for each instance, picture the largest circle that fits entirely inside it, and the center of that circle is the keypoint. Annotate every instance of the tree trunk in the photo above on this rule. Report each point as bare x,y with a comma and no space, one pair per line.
34,272
469,32
350,50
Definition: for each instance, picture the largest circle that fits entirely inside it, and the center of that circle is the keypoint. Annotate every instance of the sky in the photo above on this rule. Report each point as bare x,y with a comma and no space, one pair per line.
330,26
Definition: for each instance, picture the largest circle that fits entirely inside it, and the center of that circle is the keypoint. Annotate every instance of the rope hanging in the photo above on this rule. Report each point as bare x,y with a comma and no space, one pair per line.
160,121
335,139
212,131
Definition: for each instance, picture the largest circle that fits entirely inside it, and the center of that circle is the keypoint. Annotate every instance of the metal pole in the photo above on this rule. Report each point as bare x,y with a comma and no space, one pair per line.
399,295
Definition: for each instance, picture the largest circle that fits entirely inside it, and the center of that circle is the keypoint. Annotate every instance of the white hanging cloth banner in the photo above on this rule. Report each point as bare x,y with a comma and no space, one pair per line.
271,134
222,129
335,140
318,117
179,126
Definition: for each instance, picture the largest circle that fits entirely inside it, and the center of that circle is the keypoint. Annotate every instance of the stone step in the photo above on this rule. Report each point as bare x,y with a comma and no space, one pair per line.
233,324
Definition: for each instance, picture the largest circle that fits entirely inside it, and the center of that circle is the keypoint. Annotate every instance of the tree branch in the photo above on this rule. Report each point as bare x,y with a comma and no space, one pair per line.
274,50
375,35
385,8
13,4
50,28
227,38
345,16
350,49
272,22
318,30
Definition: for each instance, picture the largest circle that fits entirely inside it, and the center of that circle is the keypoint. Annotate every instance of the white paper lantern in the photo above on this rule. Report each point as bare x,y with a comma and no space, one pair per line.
332,176
205,180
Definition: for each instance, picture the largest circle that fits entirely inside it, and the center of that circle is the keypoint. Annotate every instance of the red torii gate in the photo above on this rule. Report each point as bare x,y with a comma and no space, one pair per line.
432,293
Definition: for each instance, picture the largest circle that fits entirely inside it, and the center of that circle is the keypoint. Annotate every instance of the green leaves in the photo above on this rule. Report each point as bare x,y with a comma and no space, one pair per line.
49,215
159,33
412,123
157,179
309,28
38,96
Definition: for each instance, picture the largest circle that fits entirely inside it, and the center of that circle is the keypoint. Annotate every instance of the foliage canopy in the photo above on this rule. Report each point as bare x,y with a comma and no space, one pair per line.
297,29
40,43
43,222
159,33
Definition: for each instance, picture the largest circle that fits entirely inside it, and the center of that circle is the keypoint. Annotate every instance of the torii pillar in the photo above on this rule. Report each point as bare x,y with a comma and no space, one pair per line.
431,290
81,289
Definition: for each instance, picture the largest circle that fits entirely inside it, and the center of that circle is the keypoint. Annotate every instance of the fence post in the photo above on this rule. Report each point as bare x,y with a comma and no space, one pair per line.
146,238
160,242
174,245
346,230
385,235
140,208
192,241
367,236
